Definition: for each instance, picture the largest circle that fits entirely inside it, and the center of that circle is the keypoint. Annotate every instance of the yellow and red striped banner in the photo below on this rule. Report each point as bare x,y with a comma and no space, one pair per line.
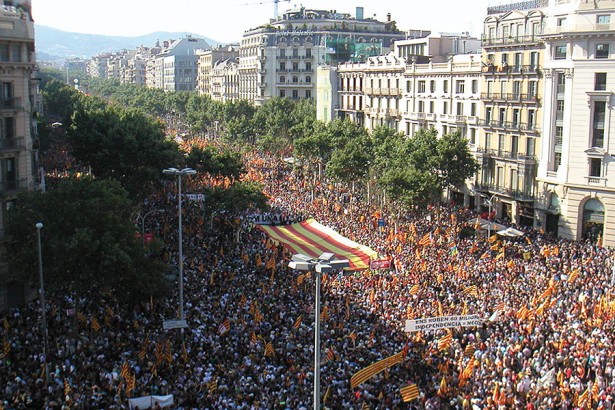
313,239
373,369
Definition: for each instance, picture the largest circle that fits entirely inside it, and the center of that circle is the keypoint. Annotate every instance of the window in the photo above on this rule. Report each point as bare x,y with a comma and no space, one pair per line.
431,106
445,86
515,117
474,86
473,109
282,53
432,86
308,66
282,93
487,140
283,66
445,108
531,89
531,119
4,52
308,93
295,66
602,50
408,86
472,136
514,144
598,124
308,52
295,94
421,86
459,108
560,53
295,53
561,21
603,19
600,81
308,79
295,79
460,87
501,142
282,79
488,112
531,147
421,106
595,167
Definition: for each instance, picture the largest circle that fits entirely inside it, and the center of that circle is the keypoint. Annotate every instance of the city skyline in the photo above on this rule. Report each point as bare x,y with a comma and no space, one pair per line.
204,17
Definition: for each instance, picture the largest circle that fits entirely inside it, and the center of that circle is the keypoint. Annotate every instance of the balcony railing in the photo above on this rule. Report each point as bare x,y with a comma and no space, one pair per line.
510,69
12,185
506,41
505,154
503,190
422,116
11,144
458,119
10,103
596,180
509,97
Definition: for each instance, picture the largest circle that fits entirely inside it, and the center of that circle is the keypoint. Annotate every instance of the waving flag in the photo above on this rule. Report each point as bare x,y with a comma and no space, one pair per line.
313,239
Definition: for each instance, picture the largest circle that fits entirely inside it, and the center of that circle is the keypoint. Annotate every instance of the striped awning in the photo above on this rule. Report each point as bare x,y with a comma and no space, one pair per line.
313,239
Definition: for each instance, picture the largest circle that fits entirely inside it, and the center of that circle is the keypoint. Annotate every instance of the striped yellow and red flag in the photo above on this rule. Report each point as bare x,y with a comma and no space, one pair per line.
445,342
469,351
373,369
410,392
270,263
125,370
425,240
269,349
298,321
330,354
353,336
95,324
414,289
324,315
167,352
470,290
443,386
573,275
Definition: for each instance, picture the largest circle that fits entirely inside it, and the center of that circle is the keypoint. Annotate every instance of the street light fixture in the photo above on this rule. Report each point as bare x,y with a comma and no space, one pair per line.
324,264
490,203
39,226
142,219
180,173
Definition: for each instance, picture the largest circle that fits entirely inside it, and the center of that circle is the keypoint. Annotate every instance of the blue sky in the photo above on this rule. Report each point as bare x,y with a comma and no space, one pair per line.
226,20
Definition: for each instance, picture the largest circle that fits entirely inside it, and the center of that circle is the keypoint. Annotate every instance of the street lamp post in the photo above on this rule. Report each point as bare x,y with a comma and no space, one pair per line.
325,263
39,226
142,219
180,173
490,203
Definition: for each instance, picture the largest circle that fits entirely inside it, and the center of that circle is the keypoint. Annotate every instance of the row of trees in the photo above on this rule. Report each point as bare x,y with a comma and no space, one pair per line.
119,137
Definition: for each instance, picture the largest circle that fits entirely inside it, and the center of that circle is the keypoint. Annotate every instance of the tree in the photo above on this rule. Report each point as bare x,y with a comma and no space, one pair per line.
352,162
238,198
122,144
87,242
456,162
216,162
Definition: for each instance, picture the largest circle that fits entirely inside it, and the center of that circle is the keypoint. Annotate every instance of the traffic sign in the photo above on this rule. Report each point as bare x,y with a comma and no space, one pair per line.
174,324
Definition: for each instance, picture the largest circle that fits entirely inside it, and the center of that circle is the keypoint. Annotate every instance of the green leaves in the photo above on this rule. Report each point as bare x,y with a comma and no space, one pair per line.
87,238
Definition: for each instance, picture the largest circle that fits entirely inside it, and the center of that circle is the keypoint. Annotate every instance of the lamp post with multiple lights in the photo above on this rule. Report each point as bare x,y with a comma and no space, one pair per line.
323,264
179,173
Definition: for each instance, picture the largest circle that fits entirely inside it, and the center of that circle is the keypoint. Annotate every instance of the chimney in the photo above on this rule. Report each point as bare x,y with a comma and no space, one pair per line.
388,17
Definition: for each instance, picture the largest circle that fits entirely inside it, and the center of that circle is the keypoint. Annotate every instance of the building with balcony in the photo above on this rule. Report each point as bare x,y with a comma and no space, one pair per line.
176,66
576,176
280,58
508,144
444,96
207,61
18,153
224,81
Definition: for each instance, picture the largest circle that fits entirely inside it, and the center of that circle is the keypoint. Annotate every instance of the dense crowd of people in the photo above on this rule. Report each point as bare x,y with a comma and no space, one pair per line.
546,341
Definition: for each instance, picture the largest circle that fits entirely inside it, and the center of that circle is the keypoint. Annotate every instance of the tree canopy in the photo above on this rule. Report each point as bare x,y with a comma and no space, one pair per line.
87,239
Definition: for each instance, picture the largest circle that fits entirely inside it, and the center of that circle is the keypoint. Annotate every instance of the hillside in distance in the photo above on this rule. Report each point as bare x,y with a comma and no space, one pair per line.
57,45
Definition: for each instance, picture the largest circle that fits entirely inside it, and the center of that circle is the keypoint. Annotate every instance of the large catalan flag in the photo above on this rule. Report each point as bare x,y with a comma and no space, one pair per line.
313,239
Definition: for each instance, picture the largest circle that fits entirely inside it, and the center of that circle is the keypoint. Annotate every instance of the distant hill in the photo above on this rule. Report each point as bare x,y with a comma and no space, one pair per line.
55,45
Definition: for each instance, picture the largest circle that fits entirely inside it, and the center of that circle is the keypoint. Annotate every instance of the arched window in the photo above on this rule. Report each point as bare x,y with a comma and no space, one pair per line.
593,220
308,79
282,79
295,79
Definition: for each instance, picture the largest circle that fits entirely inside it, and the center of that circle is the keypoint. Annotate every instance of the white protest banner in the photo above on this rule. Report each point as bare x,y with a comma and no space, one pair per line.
442,322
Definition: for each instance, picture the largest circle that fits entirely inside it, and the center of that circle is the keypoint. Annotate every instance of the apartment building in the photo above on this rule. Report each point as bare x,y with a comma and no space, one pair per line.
576,177
175,67
224,80
280,59
18,104
207,60
508,146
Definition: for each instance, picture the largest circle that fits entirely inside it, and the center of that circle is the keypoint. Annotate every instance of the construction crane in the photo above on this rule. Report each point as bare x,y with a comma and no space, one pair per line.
275,5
